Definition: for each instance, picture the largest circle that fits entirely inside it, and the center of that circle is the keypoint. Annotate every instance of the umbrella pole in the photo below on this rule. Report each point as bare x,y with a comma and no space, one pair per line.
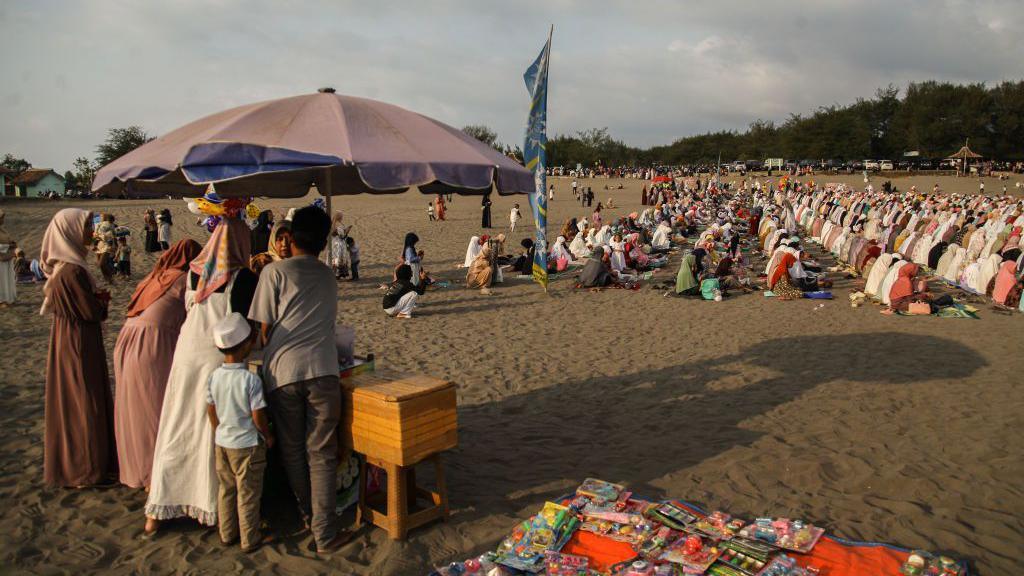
327,192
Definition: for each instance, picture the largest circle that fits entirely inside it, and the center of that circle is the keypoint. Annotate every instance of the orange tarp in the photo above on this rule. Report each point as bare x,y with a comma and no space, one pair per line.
830,556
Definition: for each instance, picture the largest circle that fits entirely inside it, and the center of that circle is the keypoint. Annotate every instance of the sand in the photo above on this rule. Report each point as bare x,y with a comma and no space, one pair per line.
896,429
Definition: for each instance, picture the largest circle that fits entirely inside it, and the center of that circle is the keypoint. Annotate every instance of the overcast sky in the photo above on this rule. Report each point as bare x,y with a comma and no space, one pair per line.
649,71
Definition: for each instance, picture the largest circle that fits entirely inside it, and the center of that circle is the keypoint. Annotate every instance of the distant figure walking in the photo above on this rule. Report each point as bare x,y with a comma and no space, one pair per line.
485,206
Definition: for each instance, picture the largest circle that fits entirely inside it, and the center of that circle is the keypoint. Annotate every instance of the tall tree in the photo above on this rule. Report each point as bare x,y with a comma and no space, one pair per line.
84,172
15,164
483,134
119,142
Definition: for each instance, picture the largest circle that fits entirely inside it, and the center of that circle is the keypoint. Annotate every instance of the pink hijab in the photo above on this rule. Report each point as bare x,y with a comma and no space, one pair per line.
227,250
1004,281
904,284
63,243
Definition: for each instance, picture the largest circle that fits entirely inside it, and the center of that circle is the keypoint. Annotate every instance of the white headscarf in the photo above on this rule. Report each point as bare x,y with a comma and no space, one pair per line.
578,247
559,250
63,243
472,251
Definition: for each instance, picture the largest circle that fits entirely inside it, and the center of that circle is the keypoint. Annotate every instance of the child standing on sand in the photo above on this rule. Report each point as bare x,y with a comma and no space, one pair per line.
430,211
237,412
514,217
353,257
124,257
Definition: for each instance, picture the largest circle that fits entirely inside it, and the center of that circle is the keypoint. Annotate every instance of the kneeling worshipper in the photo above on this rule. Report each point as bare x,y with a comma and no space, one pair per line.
401,295
597,271
780,281
481,271
662,240
560,255
687,283
579,248
523,264
475,244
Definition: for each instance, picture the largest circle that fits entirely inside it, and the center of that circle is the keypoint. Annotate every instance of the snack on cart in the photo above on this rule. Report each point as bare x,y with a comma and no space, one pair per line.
784,533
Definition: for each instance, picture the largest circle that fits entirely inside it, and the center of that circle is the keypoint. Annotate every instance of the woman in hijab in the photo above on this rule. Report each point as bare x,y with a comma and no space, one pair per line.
781,282
1006,280
142,360
412,257
904,290
8,278
597,271
440,208
150,225
218,282
559,253
475,245
279,247
339,245
78,445
686,279
163,234
481,272
261,233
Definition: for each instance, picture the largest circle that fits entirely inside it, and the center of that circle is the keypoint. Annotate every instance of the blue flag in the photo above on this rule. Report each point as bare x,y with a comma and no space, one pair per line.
534,156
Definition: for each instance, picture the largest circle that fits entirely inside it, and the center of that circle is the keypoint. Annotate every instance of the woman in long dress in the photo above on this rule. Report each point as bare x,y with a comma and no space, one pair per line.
149,223
8,279
142,360
184,480
78,447
163,234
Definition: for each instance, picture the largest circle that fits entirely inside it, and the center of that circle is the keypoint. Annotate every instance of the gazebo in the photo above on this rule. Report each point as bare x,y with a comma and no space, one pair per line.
964,155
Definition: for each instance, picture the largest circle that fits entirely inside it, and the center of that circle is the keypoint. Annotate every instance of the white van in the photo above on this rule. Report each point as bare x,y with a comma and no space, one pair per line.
885,165
871,165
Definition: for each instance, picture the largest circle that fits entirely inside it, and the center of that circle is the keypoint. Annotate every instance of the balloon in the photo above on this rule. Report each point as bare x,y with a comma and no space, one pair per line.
193,207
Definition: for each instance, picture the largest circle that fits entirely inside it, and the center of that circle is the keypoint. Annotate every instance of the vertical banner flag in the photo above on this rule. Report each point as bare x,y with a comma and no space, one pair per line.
535,157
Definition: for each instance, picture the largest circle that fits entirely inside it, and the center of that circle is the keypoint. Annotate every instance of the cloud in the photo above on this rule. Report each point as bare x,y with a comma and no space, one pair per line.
650,71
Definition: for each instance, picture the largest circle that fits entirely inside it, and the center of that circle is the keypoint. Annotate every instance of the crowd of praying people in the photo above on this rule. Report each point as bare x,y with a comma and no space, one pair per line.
898,241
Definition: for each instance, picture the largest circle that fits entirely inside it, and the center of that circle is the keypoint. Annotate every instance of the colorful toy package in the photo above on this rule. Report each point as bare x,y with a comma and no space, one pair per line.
784,533
672,514
549,530
783,565
621,520
692,553
922,563
745,557
599,490
718,526
558,564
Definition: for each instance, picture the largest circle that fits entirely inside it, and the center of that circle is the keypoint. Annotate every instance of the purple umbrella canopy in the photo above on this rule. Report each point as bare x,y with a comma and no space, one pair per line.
340,144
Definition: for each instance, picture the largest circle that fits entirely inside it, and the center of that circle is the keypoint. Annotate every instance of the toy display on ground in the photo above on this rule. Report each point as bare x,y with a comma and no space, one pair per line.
603,529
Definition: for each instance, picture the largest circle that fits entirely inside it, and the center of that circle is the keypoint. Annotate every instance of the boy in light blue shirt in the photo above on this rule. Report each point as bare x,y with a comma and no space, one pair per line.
237,412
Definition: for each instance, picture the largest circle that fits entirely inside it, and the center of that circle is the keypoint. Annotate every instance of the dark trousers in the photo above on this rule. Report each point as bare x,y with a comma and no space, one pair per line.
355,270
306,416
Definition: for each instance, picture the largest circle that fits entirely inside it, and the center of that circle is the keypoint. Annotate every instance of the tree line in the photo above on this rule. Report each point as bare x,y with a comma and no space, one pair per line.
932,118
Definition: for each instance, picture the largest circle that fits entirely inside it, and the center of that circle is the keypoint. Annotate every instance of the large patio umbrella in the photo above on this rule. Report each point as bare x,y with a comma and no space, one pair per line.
340,144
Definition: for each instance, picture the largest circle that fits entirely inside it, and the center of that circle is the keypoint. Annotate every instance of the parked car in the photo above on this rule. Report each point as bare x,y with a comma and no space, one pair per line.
885,165
871,165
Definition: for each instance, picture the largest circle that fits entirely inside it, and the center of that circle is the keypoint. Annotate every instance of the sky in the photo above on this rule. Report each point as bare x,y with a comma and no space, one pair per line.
650,71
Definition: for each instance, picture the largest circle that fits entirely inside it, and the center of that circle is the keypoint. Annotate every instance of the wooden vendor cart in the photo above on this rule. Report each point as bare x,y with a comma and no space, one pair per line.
398,421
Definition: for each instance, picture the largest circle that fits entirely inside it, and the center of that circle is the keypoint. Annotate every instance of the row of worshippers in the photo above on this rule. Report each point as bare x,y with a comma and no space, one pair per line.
970,242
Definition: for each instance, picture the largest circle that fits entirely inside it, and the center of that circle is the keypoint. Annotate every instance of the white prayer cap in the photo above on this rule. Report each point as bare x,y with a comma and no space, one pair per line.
231,331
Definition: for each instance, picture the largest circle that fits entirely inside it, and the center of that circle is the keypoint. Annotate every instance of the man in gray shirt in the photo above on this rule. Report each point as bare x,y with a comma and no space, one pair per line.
296,303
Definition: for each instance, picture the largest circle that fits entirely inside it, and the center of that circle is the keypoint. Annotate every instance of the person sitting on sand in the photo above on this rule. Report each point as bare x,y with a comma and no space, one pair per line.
596,272
481,272
687,283
523,264
401,295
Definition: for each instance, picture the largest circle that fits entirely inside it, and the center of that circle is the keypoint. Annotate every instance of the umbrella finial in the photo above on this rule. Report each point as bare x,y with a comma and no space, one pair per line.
325,90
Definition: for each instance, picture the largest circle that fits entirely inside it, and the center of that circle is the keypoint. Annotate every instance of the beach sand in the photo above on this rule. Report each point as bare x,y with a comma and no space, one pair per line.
897,429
